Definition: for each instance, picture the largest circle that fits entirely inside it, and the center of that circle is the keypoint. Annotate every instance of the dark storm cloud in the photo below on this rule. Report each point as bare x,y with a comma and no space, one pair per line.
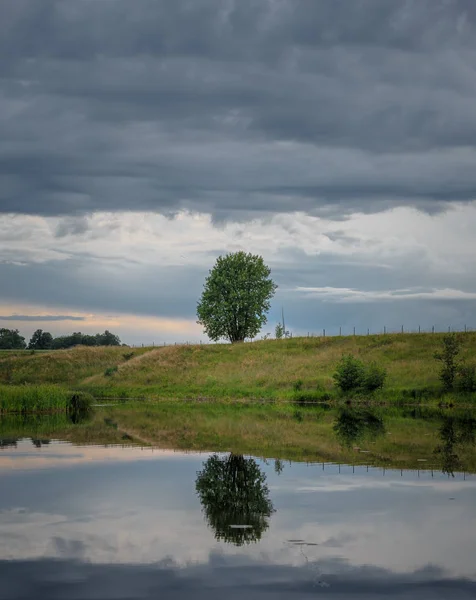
236,107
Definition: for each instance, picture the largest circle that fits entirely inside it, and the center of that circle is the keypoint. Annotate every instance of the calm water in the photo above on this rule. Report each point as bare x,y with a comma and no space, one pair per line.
131,523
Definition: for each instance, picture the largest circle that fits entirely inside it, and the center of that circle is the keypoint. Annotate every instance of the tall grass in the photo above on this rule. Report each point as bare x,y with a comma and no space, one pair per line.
35,398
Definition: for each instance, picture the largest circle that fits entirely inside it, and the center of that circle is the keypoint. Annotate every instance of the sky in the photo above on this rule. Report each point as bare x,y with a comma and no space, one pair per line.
141,140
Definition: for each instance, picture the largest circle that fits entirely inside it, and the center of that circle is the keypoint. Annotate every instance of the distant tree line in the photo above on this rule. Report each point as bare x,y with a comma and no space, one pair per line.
10,339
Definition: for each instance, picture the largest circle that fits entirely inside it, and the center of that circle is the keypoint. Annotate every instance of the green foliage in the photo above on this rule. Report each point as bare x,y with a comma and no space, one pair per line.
448,356
374,377
80,402
467,379
41,340
110,371
127,355
29,399
235,498
10,339
236,297
297,385
352,375
80,339
279,331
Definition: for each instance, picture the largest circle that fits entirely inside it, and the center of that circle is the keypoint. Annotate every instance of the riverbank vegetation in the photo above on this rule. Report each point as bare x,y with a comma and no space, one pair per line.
297,369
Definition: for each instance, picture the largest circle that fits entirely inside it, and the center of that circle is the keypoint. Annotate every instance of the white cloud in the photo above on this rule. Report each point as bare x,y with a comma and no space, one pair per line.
351,295
445,241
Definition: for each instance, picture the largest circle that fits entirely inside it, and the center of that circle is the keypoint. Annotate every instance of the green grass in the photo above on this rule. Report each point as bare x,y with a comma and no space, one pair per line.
27,399
33,398
65,367
260,370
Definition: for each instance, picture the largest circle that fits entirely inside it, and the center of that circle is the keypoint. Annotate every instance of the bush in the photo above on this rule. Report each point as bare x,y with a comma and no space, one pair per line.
352,375
467,379
448,356
109,372
128,355
374,377
297,385
80,402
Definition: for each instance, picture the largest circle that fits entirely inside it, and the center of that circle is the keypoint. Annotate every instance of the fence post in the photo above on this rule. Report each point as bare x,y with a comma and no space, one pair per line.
368,331
384,330
340,331
324,332
433,329
465,328
419,331
354,330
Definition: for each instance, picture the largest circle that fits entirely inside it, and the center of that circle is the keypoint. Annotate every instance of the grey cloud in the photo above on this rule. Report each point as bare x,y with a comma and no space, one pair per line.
40,318
224,575
70,226
237,107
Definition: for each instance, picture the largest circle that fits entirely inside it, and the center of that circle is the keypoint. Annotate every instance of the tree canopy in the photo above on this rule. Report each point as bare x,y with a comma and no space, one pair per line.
82,339
41,340
10,339
236,297
235,498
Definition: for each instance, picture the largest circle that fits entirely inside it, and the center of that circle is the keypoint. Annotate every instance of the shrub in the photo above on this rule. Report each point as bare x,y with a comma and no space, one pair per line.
109,372
374,377
80,403
448,356
350,374
467,378
297,385
128,355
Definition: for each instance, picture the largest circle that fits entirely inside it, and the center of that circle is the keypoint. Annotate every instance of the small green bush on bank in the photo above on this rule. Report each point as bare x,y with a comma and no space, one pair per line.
352,375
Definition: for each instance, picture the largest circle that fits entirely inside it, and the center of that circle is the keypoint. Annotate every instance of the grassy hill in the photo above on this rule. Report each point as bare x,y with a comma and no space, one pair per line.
272,369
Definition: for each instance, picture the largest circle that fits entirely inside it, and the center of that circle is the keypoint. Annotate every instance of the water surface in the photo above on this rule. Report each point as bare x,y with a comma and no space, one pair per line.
128,522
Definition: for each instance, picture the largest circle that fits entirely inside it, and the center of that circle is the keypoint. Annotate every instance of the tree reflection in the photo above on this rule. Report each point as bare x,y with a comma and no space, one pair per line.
8,443
455,432
354,424
234,498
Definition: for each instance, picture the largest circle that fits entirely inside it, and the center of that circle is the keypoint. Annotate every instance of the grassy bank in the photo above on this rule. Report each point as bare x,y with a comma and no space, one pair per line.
275,370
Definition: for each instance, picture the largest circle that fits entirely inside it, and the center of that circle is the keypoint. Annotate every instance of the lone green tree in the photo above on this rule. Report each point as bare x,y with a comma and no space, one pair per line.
236,297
